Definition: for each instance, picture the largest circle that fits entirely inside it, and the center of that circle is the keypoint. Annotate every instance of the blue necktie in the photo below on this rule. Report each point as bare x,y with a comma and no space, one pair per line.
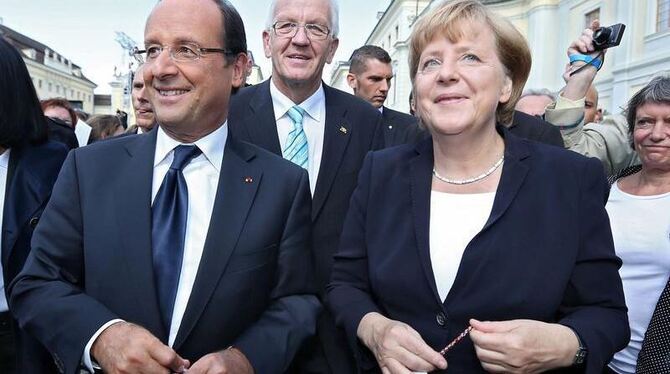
168,230
296,149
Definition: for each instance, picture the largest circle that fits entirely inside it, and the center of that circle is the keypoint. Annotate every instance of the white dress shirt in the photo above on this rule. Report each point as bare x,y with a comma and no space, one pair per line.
313,123
454,220
82,131
202,179
4,165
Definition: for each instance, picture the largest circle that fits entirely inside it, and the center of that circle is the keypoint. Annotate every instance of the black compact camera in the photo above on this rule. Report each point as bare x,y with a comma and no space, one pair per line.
608,36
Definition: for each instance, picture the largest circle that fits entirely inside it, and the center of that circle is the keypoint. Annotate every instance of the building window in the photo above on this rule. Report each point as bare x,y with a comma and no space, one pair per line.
57,89
397,33
50,86
663,15
590,17
72,93
389,38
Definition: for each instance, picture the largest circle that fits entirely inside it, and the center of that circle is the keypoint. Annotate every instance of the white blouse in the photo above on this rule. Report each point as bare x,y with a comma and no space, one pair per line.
454,220
641,231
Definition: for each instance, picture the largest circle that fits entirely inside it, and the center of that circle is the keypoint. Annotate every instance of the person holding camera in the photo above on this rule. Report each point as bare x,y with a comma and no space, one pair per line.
608,140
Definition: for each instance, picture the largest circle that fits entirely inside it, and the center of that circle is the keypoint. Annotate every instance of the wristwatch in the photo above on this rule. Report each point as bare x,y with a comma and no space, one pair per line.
580,355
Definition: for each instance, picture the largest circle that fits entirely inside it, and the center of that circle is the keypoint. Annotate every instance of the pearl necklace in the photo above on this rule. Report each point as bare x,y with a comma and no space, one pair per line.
473,179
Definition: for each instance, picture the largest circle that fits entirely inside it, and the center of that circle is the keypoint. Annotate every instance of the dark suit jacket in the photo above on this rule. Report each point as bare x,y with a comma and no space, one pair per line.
545,253
535,128
91,259
353,127
31,176
400,128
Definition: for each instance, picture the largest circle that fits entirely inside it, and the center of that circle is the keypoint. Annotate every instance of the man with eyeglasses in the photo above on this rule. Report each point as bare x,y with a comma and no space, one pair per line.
324,130
156,252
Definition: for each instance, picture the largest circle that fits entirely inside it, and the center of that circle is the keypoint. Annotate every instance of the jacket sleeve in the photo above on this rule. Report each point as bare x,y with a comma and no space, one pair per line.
349,294
607,141
50,286
593,304
272,341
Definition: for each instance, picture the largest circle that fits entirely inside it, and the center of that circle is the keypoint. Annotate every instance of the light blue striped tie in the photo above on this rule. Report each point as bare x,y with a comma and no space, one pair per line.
296,149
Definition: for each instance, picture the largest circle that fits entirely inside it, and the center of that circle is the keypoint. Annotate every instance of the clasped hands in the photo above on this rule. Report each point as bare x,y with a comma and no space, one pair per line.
515,346
127,348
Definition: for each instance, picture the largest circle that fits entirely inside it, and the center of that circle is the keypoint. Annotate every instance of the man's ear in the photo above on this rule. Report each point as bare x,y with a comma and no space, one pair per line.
239,67
351,79
332,49
266,44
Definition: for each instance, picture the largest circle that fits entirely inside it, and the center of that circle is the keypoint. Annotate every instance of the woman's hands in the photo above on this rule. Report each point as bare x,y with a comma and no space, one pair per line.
397,347
523,346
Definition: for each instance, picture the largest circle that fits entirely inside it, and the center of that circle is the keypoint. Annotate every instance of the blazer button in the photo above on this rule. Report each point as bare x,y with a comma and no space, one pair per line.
34,221
441,319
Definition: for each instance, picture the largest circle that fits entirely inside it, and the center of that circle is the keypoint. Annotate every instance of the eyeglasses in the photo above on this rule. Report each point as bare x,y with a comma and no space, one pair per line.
288,29
179,53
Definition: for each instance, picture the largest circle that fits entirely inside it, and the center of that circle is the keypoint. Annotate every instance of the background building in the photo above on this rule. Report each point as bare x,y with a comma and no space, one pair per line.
549,26
53,75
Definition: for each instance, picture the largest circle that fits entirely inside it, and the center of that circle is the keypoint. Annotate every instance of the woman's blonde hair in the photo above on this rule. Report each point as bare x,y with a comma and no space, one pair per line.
450,19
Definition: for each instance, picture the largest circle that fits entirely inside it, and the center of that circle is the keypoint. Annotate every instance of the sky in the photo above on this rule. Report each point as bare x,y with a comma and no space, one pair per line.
83,30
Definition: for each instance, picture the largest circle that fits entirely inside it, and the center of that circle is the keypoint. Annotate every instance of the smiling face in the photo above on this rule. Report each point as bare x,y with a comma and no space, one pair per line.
459,84
651,135
298,62
144,113
190,99
373,84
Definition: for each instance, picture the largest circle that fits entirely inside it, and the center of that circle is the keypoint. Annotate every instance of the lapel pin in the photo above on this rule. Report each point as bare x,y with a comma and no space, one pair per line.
343,129
248,180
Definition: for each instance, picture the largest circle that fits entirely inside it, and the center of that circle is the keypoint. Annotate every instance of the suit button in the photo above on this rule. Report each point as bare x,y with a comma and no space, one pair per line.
441,319
33,222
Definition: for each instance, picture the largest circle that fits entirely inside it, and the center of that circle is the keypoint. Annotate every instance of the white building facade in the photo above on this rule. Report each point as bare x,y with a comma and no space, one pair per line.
549,26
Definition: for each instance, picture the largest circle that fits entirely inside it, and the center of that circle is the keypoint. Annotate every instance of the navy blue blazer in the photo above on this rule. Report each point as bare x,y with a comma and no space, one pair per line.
545,253
31,175
91,257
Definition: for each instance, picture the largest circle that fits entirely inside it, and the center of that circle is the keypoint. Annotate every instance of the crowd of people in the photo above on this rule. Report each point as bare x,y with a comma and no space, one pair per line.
290,227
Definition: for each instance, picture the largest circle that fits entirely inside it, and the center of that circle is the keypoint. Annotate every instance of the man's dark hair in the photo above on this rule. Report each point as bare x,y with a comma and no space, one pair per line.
234,36
21,117
657,91
364,53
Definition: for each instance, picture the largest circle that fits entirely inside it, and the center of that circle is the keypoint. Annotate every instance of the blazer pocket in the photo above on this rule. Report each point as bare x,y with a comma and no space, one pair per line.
250,260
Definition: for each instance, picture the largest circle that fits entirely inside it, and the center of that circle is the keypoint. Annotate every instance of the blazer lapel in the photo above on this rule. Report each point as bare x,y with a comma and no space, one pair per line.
238,183
24,194
420,184
260,121
134,220
337,133
513,175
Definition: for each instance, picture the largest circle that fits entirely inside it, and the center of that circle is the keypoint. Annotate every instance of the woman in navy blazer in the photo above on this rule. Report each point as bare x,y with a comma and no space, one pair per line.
476,230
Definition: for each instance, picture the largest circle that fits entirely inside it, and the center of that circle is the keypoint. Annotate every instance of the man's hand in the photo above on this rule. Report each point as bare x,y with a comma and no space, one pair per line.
397,347
230,360
578,84
523,346
127,348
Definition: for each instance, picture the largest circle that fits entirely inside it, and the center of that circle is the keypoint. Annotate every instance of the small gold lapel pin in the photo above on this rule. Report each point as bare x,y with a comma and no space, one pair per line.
343,129
248,180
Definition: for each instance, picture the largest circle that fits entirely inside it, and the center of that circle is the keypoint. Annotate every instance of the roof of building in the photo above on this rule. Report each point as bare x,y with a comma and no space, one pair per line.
22,42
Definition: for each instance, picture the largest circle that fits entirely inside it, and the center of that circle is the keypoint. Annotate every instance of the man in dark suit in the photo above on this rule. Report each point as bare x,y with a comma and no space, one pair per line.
324,130
370,75
157,252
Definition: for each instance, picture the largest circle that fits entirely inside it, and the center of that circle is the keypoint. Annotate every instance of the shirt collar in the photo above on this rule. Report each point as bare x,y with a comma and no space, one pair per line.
381,109
212,146
4,159
311,105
